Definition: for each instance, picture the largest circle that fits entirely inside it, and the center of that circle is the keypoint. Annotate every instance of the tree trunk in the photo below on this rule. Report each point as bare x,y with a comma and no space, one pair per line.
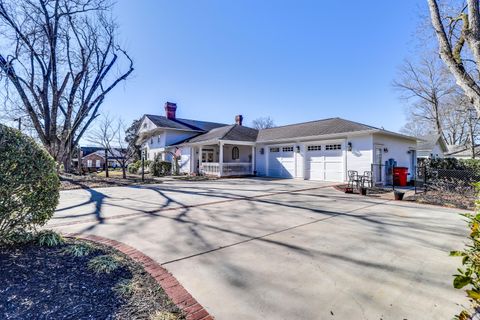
124,171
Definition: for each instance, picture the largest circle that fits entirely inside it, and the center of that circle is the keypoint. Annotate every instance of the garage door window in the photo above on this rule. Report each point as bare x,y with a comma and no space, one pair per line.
274,149
333,147
287,149
314,148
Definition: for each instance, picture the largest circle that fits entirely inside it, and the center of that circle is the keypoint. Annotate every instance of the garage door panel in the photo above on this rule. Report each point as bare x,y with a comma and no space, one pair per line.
281,162
323,164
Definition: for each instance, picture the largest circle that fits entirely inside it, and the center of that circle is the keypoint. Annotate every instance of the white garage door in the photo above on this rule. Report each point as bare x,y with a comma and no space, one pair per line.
281,162
324,162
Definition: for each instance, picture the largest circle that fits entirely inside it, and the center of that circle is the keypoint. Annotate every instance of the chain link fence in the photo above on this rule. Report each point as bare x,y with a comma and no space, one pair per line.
448,180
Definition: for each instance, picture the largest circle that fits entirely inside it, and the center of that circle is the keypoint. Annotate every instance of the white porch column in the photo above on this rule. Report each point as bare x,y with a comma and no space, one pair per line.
253,160
220,160
200,159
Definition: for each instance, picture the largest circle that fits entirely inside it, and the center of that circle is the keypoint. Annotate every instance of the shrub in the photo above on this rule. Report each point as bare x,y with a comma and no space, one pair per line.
159,167
126,287
49,238
132,168
29,184
79,249
469,275
104,263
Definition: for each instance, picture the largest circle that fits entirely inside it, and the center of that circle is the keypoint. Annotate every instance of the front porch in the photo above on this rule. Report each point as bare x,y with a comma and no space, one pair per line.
225,159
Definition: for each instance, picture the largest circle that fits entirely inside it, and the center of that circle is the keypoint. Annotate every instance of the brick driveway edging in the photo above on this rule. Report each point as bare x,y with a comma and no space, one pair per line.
175,291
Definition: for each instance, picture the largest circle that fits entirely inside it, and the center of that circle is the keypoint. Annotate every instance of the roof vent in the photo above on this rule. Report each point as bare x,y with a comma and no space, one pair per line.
170,110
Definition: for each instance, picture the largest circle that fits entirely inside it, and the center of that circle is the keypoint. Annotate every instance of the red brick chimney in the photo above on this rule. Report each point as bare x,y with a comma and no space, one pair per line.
170,109
239,119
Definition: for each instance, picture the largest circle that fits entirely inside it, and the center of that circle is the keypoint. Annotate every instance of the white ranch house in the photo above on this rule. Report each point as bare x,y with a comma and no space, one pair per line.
318,150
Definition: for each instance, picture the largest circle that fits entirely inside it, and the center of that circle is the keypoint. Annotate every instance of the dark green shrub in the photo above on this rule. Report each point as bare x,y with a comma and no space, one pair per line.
132,168
29,184
469,275
159,167
471,164
49,238
79,249
104,263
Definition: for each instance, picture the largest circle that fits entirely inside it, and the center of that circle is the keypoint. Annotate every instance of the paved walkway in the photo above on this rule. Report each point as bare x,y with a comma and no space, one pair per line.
283,249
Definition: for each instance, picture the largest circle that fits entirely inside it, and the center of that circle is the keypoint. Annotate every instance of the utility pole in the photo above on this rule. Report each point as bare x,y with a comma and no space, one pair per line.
106,163
143,165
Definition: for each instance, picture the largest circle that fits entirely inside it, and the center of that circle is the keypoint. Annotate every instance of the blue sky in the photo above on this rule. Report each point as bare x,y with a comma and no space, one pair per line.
292,60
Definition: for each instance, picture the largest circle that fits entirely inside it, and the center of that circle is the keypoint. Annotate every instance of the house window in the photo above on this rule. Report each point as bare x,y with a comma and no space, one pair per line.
314,148
89,163
97,163
151,140
145,125
333,147
274,149
235,153
287,149
158,139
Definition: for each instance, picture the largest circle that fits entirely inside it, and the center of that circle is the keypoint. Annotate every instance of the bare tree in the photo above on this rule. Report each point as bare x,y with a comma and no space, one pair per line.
416,127
60,59
263,123
110,135
426,85
457,28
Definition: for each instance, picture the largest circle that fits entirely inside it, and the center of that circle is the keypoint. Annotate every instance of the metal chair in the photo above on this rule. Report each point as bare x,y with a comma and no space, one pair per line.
353,179
367,179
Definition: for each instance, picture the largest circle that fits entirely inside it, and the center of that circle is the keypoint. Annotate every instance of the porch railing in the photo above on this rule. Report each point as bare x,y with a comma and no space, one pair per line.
229,168
210,168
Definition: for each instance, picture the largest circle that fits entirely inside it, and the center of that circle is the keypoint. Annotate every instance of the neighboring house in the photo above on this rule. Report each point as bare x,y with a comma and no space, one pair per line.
431,146
317,150
94,157
462,152
95,160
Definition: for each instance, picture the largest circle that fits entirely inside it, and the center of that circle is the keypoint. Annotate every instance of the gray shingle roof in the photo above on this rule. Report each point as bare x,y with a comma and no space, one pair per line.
312,128
183,124
231,132
428,142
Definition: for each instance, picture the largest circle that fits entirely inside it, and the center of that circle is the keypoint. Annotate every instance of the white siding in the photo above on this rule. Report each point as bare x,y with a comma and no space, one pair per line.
260,161
147,125
360,158
300,160
397,149
185,160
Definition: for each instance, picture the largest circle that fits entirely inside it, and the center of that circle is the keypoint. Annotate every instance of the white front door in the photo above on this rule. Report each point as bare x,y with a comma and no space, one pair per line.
281,161
324,162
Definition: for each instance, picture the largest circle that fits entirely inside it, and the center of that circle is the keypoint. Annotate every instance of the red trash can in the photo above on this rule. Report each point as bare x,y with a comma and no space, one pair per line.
400,176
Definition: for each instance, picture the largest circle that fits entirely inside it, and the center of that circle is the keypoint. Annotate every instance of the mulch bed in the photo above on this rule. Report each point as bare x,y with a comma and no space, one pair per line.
370,191
71,181
47,283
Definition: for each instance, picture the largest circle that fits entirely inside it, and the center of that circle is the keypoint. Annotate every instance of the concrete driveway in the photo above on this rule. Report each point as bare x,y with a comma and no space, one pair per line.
283,249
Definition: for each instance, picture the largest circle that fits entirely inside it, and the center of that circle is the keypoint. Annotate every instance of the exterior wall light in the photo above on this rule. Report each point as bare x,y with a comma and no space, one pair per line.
349,144
385,150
